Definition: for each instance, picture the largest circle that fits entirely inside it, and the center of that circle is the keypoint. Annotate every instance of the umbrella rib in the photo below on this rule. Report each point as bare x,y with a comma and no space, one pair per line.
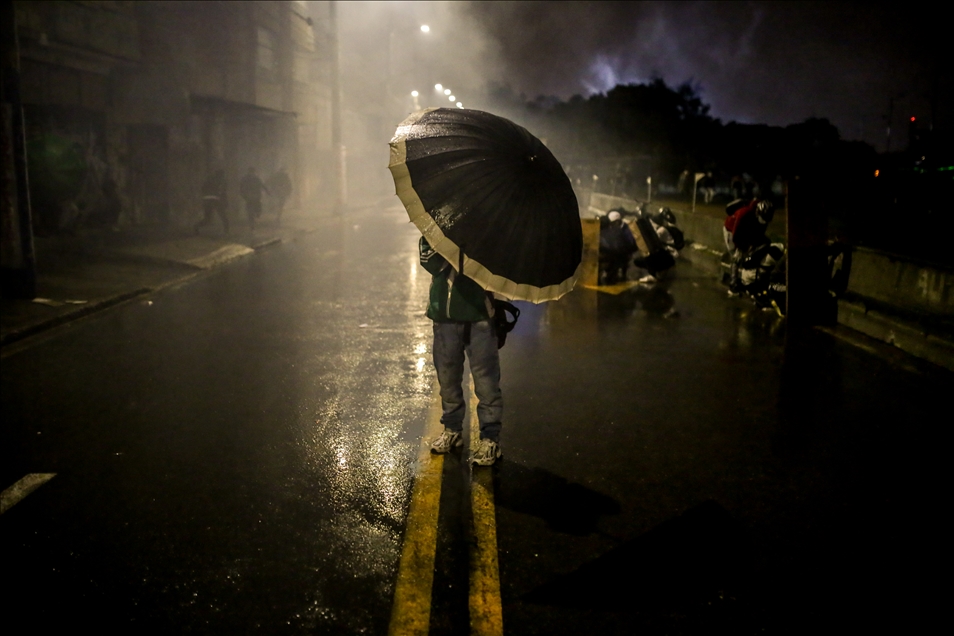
472,187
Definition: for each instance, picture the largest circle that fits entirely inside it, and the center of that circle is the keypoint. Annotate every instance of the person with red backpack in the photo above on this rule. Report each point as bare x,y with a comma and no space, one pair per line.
746,233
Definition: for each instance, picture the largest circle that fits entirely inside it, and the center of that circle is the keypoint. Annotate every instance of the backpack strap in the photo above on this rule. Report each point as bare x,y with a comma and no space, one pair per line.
504,324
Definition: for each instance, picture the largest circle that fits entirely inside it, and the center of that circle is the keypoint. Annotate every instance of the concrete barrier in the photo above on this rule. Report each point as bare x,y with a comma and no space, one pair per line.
902,282
703,233
903,302
895,299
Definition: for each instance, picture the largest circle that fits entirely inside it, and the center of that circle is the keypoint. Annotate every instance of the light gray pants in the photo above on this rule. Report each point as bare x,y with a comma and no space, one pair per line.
450,344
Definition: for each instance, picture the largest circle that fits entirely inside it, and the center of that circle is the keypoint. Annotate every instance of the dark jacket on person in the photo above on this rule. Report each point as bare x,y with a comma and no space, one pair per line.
251,187
214,186
280,184
617,239
748,229
453,296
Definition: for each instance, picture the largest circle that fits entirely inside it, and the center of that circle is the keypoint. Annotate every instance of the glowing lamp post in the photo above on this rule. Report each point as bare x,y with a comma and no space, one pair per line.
425,29
695,188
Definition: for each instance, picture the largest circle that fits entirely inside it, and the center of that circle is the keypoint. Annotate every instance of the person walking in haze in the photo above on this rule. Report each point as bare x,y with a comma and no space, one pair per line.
708,187
463,320
280,187
213,201
251,188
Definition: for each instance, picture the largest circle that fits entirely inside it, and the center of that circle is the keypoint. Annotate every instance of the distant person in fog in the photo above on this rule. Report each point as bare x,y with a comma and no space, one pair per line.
280,187
737,186
707,183
683,182
251,188
214,201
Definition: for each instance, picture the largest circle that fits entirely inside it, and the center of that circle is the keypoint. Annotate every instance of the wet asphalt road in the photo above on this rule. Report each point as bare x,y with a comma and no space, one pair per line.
237,454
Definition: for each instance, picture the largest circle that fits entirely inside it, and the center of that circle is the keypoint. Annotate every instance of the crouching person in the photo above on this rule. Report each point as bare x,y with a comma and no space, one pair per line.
463,316
617,246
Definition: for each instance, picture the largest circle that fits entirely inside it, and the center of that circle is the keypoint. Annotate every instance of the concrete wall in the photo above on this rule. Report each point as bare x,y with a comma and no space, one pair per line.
897,300
902,302
902,282
704,232
697,227
180,88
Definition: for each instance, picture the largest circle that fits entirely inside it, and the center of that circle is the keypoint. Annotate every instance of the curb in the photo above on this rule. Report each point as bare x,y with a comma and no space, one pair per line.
145,259
901,334
266,244
221,256
885,351
69,316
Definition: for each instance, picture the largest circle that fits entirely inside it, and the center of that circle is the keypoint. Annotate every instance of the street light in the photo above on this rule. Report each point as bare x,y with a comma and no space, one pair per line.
414,93
447,91
438,87
452,98
459,105
389,89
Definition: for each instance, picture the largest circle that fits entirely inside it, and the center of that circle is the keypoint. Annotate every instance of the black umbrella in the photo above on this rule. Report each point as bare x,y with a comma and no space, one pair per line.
491,199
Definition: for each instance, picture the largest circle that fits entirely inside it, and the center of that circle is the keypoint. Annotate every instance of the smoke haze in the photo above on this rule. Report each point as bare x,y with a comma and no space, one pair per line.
773,63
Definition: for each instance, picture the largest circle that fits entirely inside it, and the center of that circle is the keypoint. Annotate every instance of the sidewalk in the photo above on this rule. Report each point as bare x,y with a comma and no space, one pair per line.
80,275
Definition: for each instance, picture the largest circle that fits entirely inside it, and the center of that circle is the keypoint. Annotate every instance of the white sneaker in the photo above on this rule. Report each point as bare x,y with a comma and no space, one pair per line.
488,451
648,279
447,441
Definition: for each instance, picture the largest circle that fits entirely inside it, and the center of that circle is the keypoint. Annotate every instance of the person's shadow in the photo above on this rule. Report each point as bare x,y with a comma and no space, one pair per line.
655,300
566,507
681,561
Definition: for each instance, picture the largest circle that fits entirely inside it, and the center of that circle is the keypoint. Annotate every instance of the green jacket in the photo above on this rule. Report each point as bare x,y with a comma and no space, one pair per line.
453,297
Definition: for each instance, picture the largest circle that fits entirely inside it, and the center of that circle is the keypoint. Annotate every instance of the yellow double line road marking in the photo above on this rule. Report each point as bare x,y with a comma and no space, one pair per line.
411,613
486,612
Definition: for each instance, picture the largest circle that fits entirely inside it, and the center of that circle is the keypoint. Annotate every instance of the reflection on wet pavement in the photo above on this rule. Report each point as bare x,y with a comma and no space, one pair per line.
244,453
240,454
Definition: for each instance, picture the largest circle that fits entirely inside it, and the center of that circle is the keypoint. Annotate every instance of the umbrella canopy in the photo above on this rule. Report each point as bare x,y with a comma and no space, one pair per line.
491,199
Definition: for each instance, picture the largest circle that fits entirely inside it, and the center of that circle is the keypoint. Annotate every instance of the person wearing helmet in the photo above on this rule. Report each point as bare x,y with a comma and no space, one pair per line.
748,229
664,221
617,245
751,223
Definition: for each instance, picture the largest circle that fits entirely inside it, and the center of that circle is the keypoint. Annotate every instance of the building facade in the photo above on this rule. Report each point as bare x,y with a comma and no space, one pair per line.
151,97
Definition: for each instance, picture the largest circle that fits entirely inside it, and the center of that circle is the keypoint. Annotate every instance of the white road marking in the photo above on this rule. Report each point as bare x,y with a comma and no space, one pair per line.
12,495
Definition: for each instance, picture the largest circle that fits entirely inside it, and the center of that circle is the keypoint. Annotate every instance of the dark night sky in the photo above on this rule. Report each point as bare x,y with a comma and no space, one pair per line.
755,62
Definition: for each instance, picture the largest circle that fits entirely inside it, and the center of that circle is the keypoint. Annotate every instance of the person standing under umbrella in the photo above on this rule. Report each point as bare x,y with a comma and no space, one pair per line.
499,220
462,313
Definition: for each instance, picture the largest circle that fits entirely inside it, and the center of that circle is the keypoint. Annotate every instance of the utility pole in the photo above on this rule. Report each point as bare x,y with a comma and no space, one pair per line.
337,148
695,188
890,119
887,143
16,231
